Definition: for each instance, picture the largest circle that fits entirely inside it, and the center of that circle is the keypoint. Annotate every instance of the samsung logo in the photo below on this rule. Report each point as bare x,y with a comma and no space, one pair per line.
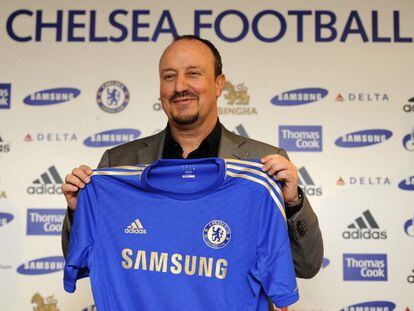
299,97
371,306
407,184
5,218
45,221
42,265
365,267
111,138
51,96
363,138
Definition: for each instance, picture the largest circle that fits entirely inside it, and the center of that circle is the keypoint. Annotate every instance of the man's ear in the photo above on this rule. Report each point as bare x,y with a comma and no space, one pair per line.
220,82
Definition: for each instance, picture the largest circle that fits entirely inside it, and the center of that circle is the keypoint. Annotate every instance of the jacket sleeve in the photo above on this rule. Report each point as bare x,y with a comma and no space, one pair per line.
305,238
67,222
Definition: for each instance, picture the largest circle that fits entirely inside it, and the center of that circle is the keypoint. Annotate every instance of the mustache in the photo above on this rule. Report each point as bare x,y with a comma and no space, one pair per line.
185,94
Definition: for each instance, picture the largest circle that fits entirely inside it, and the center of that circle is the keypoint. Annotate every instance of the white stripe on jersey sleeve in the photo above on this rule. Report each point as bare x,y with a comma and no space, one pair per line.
264,184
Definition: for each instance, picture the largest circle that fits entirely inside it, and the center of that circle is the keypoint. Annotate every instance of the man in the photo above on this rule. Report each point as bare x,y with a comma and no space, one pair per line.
191,80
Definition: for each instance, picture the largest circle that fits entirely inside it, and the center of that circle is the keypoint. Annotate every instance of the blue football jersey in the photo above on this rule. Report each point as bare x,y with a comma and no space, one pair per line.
201,234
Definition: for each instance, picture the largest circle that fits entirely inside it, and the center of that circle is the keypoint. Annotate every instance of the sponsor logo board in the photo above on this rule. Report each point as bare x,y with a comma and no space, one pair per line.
51,96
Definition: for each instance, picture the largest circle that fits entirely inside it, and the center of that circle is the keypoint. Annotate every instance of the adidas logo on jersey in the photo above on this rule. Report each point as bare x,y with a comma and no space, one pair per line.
307,184
136,228
48,183
364,228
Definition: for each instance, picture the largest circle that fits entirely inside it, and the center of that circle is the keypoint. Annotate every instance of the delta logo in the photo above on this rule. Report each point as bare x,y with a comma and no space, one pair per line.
45,221
365,267
371,306
407,184
112,138
362,97
238,100
299,97
364,181
408,141
307,184
49,183
300,138
42,265
51,137
365,227
363,138
51,96
5,218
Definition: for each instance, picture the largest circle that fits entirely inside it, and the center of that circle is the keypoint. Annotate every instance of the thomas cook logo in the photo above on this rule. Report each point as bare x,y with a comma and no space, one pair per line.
112,96
299,97
51,96
5,95
363,138
216,234
136,227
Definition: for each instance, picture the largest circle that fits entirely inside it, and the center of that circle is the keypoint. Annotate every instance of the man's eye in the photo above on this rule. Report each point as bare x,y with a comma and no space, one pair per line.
169,76
194,73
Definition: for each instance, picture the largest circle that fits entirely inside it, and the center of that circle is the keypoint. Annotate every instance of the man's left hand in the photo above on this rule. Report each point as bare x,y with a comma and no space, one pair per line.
286,172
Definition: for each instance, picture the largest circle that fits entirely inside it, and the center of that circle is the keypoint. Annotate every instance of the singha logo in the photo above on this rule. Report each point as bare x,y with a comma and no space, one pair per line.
236,94
41,305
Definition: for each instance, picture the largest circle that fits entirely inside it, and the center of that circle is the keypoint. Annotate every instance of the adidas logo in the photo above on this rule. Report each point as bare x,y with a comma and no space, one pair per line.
135,228
241,131
48,183
307,184
3,146
364,228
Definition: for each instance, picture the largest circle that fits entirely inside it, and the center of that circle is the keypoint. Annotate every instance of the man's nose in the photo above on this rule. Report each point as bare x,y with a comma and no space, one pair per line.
181,84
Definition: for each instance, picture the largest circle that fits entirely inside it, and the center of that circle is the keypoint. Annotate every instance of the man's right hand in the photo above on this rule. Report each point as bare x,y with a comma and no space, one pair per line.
75,181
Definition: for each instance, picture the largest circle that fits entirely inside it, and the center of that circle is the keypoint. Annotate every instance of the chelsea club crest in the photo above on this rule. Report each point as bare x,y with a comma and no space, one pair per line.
216,234
112,96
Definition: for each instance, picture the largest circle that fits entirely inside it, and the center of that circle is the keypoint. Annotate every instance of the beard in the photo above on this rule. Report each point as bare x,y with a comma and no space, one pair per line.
185,120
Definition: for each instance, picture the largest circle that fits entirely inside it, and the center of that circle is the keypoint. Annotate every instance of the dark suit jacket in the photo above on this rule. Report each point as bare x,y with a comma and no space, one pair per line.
305,235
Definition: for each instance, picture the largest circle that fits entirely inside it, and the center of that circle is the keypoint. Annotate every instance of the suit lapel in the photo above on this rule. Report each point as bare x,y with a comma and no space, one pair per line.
152,150
231,145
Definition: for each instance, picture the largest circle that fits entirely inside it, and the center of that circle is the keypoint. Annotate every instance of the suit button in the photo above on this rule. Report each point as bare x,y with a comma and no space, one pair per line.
302,228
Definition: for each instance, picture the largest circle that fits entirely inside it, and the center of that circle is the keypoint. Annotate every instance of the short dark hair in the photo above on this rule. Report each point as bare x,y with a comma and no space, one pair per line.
218,66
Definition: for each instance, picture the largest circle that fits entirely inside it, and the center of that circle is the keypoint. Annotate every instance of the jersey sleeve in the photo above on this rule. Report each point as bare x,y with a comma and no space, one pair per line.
79,260
273,266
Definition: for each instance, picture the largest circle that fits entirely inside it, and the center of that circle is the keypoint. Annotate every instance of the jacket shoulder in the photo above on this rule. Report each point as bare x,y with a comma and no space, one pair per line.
253,148
134,152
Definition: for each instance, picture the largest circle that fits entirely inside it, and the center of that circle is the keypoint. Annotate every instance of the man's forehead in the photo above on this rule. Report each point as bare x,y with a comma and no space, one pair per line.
184,49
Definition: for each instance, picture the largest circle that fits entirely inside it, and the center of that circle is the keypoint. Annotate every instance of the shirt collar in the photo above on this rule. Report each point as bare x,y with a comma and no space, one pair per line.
208,148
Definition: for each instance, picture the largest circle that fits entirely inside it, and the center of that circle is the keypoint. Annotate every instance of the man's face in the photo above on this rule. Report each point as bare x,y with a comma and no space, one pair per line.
188,87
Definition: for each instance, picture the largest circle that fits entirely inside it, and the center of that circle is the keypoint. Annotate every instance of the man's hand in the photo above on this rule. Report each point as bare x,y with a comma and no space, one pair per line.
284,171
75,181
